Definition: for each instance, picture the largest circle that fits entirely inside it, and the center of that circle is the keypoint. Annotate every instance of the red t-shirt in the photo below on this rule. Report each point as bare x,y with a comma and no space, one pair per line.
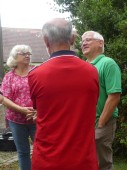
64,91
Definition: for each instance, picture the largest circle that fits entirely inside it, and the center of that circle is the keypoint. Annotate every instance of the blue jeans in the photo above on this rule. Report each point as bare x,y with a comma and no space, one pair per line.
21,133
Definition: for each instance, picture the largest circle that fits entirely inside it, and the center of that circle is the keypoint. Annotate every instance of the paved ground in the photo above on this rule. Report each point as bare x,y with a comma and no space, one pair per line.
2,117
5,157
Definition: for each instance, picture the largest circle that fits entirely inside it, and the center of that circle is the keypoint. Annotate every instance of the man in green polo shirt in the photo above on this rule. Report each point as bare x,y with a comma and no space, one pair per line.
110,90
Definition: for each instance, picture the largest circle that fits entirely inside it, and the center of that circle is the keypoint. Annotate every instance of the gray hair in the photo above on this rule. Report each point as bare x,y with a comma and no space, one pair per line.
58,33
97,36
11,61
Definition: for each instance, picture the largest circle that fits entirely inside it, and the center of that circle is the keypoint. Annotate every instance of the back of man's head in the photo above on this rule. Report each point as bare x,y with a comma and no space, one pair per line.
58,31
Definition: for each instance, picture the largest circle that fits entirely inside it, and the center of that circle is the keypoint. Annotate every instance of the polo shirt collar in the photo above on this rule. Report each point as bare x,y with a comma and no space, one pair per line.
97,59
62,52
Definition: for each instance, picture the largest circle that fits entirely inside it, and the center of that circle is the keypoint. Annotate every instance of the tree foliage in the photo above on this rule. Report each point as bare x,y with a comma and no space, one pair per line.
109,17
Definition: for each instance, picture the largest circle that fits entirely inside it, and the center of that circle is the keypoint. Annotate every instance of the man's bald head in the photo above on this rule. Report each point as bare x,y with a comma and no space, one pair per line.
58,22
58,30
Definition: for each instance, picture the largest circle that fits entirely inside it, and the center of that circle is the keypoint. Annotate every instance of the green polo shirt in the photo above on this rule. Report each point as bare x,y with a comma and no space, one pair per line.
110,81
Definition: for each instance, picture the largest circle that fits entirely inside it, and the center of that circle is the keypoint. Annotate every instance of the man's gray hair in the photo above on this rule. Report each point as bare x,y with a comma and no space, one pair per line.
11,61
58,33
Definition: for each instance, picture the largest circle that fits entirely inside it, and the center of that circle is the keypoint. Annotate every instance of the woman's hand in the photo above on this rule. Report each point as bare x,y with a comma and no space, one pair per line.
31,114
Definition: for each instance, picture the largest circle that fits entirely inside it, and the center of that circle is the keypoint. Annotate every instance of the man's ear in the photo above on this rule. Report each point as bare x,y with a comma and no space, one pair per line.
101,43
73,39
46,41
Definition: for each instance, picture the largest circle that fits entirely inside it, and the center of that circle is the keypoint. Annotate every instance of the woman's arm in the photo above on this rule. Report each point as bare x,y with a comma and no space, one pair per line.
11,105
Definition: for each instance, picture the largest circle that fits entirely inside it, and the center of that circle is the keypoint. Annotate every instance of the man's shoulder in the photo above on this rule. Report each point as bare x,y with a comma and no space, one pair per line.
33,68
109,65
108,59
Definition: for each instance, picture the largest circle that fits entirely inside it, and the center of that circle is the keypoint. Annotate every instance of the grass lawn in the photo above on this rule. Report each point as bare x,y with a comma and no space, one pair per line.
13,166
119,164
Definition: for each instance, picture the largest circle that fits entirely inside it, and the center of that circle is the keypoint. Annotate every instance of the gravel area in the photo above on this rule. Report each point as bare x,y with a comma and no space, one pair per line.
2,117
6,158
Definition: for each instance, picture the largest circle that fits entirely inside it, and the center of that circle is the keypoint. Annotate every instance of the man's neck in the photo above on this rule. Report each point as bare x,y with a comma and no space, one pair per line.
90,58
59,48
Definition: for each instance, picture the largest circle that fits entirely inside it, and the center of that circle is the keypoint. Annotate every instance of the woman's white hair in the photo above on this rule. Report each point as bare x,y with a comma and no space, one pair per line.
11,61
97,36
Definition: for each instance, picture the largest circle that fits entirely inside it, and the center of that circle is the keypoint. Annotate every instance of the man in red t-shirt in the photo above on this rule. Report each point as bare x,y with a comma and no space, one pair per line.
64,90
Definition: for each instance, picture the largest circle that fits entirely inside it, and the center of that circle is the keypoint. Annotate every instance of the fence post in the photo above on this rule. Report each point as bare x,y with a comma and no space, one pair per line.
1,54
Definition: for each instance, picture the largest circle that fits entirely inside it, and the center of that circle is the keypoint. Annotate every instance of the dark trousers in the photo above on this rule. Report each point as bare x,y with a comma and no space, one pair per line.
104,139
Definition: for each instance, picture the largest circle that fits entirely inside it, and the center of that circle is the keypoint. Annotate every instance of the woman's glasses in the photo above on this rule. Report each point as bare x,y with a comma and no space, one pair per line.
25,54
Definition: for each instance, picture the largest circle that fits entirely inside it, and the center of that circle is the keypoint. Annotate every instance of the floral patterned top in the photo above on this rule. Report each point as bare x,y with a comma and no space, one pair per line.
16,88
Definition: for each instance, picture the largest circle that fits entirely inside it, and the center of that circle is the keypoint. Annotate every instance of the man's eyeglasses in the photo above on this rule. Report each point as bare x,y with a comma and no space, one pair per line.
24,54
89,39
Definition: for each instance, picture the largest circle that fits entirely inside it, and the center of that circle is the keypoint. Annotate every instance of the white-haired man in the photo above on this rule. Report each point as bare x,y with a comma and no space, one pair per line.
110,90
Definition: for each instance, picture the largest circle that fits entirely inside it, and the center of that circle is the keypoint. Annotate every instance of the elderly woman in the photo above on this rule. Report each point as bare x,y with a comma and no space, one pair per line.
17,99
